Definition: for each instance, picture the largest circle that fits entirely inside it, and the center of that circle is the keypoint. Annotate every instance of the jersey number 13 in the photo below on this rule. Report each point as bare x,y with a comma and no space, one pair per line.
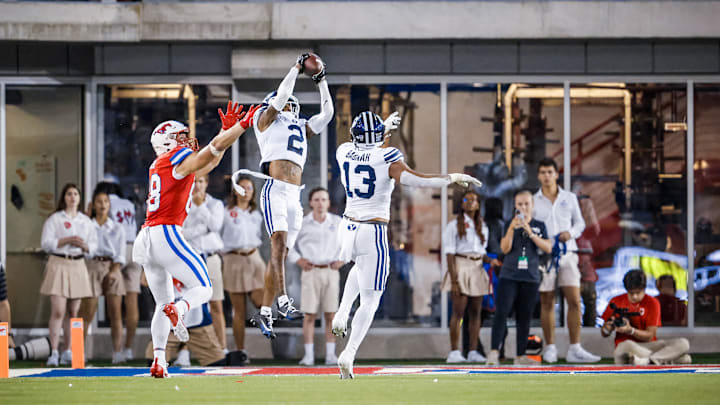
368,178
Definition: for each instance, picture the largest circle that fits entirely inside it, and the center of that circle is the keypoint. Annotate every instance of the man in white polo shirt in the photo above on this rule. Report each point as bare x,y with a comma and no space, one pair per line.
316,251
560,211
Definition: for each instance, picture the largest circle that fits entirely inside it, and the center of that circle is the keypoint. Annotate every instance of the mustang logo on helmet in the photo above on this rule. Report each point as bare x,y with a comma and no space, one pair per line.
170,134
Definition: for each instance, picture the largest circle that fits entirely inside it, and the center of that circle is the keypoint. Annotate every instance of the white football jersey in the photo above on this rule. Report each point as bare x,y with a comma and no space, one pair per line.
284,139
122,211
365,173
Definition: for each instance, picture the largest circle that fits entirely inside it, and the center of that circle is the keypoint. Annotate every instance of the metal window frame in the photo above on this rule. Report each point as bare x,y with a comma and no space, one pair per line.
93,162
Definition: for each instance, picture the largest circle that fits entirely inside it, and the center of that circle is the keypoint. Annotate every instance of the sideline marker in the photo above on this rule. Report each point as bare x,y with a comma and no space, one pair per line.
4,359
77,343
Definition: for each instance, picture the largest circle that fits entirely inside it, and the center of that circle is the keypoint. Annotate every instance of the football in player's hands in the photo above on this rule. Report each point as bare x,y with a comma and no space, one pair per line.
312,65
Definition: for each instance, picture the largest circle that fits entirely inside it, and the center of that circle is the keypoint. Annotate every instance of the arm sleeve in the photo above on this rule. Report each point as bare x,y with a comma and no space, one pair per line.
216,216
285,89
122,244
409,179
319,121
48,240
450,238
578,223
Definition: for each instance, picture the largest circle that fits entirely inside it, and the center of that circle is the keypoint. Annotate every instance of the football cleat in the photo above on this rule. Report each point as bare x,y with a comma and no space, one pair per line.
159,370
264,323
345,364
177,322
339,325
289,312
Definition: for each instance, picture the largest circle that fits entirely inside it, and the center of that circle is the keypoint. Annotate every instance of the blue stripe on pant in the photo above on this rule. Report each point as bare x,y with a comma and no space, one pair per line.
192,253
184,259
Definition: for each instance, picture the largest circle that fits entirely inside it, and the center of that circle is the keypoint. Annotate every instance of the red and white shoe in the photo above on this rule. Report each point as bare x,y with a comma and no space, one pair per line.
177,322
159,370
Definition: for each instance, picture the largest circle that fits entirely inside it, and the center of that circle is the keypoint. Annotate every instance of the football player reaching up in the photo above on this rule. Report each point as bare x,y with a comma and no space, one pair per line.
369,172
160,247
282,137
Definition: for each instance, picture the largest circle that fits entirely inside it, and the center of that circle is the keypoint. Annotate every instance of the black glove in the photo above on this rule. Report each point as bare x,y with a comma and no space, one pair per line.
301,61
320,76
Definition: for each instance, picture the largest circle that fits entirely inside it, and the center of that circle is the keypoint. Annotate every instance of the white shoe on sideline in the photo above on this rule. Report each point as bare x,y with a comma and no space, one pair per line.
475,357
493,358
53,360
331,359
66,358
345,364
339,324
118,358
128,354
307,361
455,357
183,359
576,354
639,361
550,354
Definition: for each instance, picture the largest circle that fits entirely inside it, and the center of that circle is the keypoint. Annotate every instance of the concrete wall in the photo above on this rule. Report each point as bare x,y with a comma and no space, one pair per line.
240,21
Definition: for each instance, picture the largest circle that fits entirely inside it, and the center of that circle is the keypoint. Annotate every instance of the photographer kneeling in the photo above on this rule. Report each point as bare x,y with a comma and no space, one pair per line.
635,318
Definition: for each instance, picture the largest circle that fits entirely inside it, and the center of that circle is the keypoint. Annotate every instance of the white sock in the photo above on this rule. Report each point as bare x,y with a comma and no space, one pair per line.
160,329
351,291
329,349
369,303
282,300
160,355
310,350
265,311
550,345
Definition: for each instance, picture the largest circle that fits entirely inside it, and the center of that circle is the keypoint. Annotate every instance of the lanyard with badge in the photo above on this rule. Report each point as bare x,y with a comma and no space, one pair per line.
523,260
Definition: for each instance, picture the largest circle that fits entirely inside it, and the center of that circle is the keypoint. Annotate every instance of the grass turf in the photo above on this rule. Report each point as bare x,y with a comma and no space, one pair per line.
455,389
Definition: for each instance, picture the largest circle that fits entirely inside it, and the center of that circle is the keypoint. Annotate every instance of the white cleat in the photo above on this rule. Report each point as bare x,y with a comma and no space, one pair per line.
345,364
339,324
550,354
580,355
475,357
455,357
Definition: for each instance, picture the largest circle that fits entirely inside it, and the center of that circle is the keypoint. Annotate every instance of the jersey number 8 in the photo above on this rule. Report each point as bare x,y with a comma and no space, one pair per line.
153,201
368,179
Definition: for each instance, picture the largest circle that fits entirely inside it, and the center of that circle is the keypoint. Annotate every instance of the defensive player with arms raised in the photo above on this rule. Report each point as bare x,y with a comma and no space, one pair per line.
282,137
160,247
369,172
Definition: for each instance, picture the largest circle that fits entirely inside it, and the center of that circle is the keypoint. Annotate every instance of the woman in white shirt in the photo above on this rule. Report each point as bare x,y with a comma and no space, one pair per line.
243,268
104,270
67,236
465,240
202,230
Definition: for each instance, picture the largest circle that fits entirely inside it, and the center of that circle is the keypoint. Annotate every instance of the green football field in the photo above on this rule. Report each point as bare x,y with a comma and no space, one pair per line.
683,389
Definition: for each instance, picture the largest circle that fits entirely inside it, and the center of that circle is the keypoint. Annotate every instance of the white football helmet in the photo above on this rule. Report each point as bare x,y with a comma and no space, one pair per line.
167,136
292,100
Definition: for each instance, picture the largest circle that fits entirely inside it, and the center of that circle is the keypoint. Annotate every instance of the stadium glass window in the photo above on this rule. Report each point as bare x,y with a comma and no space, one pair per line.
44,152
412,294
633,199
707,196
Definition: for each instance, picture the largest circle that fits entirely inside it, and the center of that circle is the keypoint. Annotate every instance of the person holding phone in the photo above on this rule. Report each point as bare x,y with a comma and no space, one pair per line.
524,241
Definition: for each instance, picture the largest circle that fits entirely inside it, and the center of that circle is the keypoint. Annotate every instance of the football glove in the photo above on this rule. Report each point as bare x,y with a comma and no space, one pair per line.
301,61
392,122
464,180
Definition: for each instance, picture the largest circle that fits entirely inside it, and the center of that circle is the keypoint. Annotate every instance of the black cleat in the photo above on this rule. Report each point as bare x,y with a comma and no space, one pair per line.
264,323
289,312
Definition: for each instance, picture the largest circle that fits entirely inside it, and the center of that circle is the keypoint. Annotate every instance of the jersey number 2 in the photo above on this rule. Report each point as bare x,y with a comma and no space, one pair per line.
368,179
291,140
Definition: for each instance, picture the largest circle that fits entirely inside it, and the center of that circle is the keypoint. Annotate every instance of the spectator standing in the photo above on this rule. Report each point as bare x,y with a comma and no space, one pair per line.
525,238
67,236
316,252
465,240
202,230
243,268
560,211
635,338
104,269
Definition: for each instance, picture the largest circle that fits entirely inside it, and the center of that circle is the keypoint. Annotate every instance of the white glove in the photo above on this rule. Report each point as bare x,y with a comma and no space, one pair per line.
238,188
463,179
392,122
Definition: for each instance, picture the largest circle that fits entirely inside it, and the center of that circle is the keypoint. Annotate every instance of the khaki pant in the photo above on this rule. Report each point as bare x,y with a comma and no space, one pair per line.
203,345
320,291
659,351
